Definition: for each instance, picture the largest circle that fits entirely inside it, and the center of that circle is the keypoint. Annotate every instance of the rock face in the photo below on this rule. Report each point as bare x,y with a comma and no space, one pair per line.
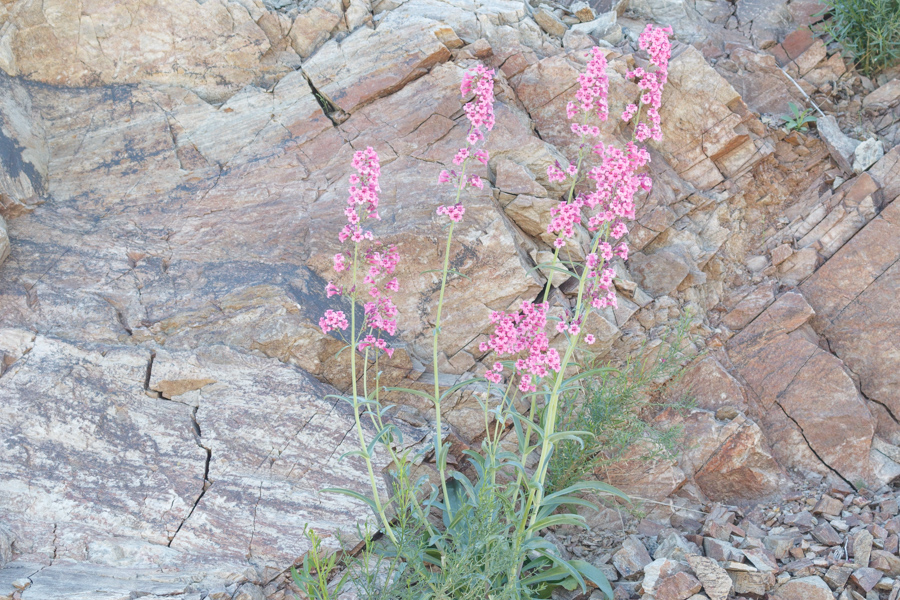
851,293
105,469
809,395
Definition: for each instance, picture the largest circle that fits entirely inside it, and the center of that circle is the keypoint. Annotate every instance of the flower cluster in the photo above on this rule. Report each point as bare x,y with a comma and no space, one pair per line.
655,40
523,332
480,113
617,180
555,173
362,204
592,94
333,319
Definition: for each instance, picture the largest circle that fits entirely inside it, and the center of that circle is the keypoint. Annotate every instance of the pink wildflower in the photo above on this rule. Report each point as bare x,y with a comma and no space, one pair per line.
333,319
555,175
592,94
524,332
589,339
454,212
655,40
479,111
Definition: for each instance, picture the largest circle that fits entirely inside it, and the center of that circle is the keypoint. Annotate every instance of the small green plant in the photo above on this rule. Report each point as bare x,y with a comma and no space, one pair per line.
317,571
798,120
868,31
610,410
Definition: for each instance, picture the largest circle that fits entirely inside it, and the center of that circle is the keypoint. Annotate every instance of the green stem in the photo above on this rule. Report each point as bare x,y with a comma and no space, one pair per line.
359,430
438,440
553,404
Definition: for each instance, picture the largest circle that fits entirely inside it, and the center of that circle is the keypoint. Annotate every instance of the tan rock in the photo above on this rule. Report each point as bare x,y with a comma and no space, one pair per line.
715,580
886,562
860,548
799,266
884,97
513,178
856,284
678,587
750,306
657,571
705,124
786,370
549,22
4,241
372,63
583,11
710,386
214,48
761,83
752,583
742,468
530,213
781,253
804,588
811,57
312,28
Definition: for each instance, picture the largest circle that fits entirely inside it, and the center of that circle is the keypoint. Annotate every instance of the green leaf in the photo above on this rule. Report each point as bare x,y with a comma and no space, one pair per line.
419,393
378,437
594,575
555,520
552,574
457,386
359,453
369,502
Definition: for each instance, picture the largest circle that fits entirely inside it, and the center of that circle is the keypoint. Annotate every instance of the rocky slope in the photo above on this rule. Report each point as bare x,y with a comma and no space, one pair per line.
170,192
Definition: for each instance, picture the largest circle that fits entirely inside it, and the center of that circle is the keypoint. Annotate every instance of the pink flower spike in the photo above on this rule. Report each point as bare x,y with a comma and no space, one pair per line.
482,156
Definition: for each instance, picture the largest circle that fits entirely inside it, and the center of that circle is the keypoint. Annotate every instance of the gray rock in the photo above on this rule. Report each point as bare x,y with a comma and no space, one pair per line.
867,154
659,273
188,483
6,541
841,147
675,547
603,27
632,557
249,591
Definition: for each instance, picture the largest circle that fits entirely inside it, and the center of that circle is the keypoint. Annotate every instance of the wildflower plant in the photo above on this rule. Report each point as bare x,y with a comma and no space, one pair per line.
481,538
